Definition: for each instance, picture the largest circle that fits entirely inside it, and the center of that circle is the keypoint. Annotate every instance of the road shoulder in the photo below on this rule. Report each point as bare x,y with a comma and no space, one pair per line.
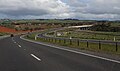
2,37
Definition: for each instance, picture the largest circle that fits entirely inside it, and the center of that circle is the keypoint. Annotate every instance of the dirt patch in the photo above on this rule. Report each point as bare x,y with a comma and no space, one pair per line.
7,30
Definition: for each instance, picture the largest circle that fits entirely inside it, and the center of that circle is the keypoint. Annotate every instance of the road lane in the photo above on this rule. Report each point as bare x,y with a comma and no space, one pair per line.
13,58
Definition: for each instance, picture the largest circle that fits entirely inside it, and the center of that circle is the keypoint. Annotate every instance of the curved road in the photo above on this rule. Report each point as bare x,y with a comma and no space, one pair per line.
20,55
44,35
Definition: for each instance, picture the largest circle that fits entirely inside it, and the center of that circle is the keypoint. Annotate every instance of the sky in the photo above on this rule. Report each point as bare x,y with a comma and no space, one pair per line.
60,9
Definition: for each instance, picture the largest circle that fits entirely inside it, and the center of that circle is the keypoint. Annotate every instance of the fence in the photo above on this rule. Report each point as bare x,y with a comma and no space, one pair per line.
88,44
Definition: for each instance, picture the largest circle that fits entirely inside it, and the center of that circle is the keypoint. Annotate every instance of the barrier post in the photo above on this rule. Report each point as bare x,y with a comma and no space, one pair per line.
116,46
99,45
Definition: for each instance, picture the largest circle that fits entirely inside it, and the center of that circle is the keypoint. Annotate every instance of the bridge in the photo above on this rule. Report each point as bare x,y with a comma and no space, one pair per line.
82,27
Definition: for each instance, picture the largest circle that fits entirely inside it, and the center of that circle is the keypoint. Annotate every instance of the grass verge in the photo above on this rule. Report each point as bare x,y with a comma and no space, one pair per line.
2,34
105,48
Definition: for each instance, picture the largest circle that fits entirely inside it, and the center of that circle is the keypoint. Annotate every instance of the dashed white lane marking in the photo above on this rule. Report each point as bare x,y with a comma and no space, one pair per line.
14,42
35,57
19,46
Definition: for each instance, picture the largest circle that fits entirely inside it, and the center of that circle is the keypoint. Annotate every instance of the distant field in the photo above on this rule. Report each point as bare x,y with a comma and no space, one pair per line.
89,35
50,21
115,24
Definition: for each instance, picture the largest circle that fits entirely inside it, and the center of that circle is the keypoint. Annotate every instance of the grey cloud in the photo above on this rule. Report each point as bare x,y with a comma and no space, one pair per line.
23,12
32,7
97,9
81,9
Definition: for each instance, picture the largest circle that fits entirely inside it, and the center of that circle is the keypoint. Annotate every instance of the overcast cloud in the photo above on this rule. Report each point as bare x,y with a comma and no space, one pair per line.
80,9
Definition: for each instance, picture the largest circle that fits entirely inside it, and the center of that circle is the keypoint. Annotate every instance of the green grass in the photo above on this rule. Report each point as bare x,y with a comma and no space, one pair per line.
115,24
50,21
91,35
2,34
106,48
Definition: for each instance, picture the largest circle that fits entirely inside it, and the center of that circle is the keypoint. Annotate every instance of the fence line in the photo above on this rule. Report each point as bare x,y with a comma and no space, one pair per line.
87,43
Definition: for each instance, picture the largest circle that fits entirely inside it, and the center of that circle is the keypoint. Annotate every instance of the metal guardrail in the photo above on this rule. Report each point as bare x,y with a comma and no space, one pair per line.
82,40
78,41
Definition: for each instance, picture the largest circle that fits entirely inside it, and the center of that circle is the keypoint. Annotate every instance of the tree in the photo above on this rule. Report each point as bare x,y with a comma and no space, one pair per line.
101,27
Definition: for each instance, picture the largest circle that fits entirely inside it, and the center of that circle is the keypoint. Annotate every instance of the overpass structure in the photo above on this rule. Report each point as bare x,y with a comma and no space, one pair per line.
82,27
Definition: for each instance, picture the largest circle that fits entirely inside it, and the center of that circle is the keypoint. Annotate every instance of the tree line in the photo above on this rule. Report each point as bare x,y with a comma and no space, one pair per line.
106,26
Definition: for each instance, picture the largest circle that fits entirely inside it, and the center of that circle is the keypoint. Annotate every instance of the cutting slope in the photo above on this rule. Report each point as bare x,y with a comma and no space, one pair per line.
7,30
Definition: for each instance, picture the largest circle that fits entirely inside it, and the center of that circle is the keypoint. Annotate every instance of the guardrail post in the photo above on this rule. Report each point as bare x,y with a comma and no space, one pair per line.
78,42
116,46
64,41
51,39
35,37
99,45
28,36
87,44
55,40
70,42
47,39
41,38
59,40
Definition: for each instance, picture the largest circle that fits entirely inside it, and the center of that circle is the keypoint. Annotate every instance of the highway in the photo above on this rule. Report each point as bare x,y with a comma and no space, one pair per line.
20,55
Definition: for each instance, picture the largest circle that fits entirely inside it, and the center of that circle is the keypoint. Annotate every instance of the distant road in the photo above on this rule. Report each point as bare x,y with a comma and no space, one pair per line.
83,40
20,55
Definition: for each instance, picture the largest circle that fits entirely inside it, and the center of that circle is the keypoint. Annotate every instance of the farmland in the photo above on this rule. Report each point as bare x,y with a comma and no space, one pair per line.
40,24
83,34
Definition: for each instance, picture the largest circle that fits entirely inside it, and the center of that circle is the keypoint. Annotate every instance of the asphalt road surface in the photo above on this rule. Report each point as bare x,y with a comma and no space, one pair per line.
20,55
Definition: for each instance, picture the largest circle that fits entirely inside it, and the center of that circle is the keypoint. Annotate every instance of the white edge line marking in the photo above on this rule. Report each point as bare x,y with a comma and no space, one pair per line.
35,57
19,46
103,58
